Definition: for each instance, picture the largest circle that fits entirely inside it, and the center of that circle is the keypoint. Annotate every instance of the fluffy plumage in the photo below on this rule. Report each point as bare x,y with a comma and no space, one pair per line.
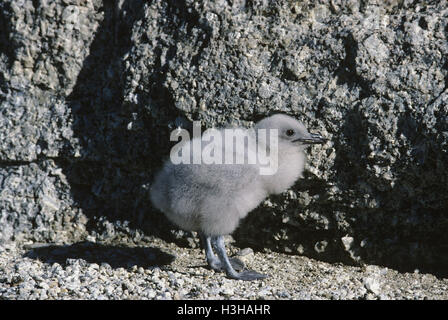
213,198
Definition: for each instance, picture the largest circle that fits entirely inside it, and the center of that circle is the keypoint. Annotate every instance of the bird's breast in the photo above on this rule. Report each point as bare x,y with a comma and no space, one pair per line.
250,199
290,169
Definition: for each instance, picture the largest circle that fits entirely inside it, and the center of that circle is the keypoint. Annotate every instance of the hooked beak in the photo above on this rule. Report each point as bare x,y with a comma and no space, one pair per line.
313,139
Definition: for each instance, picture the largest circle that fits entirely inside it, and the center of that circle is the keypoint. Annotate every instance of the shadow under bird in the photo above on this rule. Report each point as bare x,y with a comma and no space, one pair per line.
212,198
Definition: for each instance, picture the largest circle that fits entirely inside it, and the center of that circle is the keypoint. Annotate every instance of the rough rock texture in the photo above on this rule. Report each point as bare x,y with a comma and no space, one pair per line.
90,90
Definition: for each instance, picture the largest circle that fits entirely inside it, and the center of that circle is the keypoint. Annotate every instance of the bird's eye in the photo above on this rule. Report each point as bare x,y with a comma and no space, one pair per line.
289,132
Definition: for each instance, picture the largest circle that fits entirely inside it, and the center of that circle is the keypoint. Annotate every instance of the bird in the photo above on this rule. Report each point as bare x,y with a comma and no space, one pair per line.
212,198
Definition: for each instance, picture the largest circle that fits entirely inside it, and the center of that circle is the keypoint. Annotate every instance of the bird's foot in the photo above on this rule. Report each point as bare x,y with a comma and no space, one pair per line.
236,263
248,275
229,264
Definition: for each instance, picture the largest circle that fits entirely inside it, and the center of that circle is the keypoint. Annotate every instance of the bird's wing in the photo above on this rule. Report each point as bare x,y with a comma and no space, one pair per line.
218,177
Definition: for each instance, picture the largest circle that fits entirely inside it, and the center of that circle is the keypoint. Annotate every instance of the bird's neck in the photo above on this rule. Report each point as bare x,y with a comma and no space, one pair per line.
290,165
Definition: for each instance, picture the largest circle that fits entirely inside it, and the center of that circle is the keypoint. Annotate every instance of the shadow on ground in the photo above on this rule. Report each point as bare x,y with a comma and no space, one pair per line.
115,256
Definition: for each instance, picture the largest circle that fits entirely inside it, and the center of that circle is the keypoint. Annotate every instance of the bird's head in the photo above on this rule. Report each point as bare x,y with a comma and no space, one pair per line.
291,132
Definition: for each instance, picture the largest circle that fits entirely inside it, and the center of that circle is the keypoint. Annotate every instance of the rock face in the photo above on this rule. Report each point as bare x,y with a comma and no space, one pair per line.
90,90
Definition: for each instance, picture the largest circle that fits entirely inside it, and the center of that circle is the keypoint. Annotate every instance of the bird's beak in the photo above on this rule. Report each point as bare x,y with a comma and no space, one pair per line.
314,138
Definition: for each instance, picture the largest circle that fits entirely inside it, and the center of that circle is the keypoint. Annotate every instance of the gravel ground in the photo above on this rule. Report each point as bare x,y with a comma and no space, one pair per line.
155,269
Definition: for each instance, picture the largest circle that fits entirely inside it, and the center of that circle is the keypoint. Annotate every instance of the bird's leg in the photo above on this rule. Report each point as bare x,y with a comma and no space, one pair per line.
219,246
214,261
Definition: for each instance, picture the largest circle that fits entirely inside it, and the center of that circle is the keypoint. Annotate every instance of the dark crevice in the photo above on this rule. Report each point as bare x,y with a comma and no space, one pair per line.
347,74
15,163
423,24
289,75
7,45
38,160
445,68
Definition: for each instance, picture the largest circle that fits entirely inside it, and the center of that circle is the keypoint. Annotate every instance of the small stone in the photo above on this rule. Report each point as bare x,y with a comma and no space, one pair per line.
91,238
347,242
321,246
373,285
228,291
245,252
264,91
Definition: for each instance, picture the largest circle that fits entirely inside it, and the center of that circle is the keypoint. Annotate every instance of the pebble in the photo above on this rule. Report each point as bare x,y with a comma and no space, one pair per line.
372,285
